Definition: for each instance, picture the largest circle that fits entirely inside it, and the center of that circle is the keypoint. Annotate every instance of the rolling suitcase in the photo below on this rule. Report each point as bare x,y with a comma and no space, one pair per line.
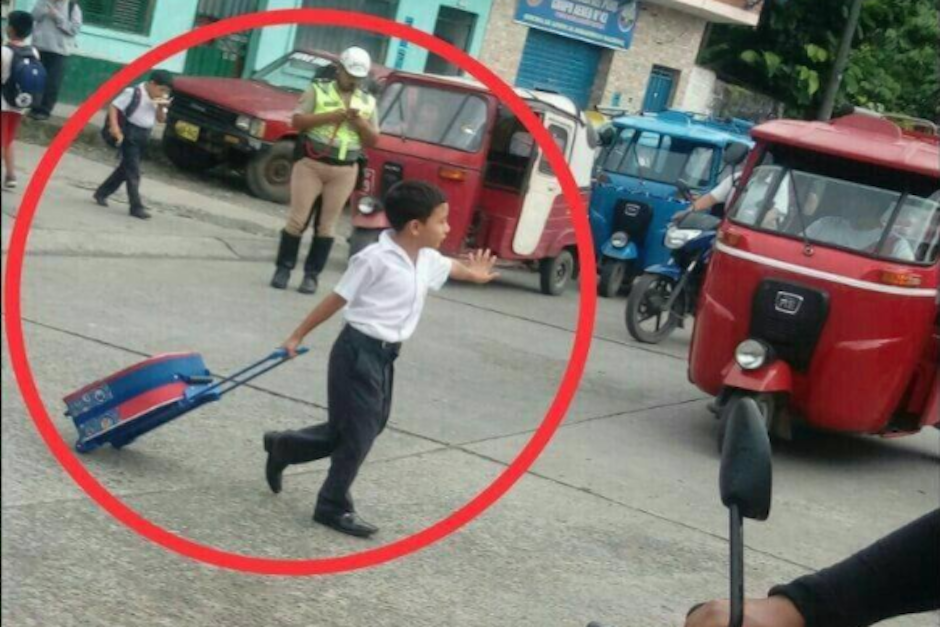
120,408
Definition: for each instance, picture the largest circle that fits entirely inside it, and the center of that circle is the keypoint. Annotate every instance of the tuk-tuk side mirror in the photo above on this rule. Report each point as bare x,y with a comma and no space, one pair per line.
521,144
746,477
607,135
735,154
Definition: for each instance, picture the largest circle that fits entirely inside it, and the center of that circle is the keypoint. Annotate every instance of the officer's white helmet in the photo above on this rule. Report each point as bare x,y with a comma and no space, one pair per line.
356,62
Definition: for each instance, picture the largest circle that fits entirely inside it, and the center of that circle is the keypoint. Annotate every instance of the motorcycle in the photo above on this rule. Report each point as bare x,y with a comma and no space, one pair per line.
746,485
665,294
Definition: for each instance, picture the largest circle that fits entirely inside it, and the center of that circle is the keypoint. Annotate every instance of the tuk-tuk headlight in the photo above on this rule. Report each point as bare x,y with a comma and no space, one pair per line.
677,238
619,240
243,122
752,354
368,205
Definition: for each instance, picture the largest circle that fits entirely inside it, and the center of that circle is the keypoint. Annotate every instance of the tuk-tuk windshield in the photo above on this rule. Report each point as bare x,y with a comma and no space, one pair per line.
660,158
834,212
449,118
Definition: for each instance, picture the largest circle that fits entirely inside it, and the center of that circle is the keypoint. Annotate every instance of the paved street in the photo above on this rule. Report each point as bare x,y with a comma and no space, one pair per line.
619,521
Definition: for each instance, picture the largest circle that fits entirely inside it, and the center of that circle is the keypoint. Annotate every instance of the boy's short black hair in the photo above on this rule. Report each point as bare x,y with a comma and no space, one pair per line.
161,78
21,23
412,200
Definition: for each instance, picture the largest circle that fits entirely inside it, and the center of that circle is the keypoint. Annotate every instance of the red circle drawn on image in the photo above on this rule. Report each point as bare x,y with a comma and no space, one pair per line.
318,566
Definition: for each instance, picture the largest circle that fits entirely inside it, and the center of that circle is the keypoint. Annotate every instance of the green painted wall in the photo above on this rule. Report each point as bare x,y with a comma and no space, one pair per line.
101,52
424,16
274,42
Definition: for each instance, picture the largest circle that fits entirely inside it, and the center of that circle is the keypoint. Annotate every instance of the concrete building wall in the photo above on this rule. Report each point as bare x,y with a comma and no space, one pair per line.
663,37
700,91
503,41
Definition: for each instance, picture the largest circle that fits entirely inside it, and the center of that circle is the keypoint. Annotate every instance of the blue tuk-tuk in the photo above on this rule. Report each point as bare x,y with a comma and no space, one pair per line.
635,193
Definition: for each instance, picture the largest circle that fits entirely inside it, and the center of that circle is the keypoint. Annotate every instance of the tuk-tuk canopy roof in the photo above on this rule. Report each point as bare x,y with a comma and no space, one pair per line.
858,137
687,126
557,102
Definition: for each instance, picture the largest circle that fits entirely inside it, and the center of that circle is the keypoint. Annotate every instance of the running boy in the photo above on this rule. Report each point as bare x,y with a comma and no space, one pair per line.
131,118
19,28
383,292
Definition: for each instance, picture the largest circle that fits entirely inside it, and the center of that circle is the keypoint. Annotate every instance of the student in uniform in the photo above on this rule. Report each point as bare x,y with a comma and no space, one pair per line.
147,104
382,295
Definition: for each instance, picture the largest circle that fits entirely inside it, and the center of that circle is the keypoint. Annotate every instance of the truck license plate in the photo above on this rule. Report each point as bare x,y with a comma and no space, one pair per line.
187,131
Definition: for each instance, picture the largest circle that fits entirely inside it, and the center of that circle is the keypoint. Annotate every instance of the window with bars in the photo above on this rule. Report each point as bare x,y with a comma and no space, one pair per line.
338,39
129,16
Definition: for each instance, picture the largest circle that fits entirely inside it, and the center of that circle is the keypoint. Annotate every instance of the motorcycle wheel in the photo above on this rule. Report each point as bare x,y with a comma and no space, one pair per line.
645,309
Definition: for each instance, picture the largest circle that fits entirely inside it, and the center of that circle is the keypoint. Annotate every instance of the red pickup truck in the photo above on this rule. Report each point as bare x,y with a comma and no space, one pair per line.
245,123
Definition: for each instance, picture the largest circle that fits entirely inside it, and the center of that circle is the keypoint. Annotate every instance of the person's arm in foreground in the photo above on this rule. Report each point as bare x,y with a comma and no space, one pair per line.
478,268
896,575
320,314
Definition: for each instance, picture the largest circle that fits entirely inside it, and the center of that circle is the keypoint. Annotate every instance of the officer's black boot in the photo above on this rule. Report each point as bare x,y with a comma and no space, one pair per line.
286,260
316,261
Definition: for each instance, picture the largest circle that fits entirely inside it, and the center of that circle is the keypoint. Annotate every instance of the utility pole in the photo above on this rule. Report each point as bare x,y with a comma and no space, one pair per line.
841,61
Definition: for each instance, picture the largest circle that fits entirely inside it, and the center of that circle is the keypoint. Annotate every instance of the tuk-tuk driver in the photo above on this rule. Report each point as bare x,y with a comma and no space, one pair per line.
862,231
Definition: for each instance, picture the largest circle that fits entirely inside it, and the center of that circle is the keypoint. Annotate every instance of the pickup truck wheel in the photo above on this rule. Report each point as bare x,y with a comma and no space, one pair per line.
186,156
268,172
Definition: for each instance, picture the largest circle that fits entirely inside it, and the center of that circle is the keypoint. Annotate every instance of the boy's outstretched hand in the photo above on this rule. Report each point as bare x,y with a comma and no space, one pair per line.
477,268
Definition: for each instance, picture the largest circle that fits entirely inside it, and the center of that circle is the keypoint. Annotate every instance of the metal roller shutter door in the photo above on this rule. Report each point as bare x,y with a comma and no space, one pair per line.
560,64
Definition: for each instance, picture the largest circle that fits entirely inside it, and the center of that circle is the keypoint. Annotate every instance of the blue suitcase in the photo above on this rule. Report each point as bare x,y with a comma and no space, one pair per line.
120,408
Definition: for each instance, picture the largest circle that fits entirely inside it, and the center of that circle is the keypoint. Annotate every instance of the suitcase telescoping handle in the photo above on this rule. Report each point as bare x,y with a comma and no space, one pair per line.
247,374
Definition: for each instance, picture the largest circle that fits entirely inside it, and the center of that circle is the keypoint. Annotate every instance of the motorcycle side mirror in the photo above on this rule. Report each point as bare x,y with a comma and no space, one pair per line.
735,154
746,476
746,483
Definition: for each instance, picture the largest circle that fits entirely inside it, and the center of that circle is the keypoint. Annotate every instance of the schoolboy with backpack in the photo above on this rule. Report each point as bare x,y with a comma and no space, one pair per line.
23,81
131,118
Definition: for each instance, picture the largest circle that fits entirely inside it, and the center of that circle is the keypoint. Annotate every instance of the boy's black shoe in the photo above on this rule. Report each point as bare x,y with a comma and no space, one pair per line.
140,213
101,200
39,116
348,523
273,469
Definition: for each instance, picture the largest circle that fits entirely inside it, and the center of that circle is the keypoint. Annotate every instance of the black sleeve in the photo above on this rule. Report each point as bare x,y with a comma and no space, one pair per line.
899,574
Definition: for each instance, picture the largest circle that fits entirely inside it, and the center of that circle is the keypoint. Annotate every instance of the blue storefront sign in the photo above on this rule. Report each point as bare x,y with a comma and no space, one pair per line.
608,23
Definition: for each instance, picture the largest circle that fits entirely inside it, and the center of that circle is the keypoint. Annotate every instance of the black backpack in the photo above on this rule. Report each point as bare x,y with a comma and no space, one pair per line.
27,81
123,117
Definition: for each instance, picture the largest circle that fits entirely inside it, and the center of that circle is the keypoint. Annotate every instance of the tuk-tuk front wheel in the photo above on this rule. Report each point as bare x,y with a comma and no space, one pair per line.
767,404
647,319
555,273
613,272
362,238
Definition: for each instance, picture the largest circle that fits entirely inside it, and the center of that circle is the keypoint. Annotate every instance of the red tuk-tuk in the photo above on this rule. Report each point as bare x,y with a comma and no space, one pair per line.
821,296
502,192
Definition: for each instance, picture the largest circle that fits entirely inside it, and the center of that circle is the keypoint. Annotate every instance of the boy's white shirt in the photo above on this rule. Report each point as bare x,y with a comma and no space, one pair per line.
146,114
6,68
385,291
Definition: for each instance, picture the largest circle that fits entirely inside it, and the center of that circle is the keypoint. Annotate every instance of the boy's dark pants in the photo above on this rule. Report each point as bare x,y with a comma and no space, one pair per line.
360,379
128,170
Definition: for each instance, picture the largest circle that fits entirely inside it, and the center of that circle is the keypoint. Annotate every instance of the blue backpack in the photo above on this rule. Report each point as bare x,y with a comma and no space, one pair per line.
27,79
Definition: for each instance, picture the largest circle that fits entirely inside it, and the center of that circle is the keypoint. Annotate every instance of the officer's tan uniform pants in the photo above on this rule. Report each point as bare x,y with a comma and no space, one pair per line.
308,180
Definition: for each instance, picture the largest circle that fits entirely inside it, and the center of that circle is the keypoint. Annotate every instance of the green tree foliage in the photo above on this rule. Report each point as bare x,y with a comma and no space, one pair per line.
893,66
